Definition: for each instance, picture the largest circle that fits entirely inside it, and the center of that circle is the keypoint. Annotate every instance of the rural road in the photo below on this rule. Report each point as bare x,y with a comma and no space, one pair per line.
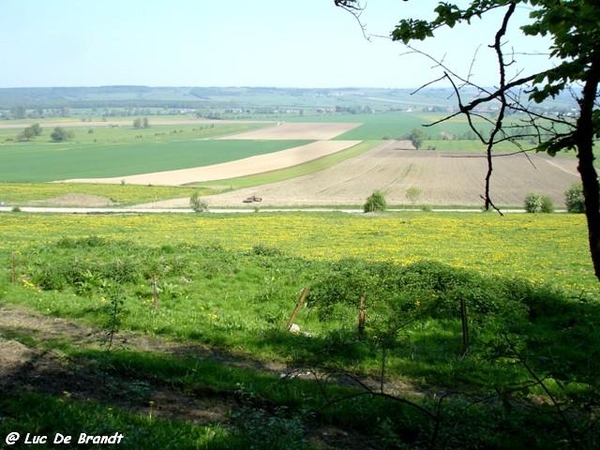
134,210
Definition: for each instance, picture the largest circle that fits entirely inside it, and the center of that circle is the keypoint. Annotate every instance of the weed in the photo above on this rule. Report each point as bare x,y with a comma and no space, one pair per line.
276,430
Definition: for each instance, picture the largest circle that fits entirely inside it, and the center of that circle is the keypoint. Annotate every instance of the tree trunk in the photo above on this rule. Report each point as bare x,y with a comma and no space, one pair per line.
584,138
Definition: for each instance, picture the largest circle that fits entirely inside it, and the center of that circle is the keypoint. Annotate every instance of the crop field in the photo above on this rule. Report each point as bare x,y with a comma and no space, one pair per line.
95,154
55,162
240,167
283,158
371,126
175,326
442,178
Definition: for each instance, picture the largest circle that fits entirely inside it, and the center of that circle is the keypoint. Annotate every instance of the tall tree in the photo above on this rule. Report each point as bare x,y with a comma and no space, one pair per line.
30,132
573,28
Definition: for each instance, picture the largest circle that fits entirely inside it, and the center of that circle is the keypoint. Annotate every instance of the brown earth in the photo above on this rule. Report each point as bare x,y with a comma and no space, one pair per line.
443,178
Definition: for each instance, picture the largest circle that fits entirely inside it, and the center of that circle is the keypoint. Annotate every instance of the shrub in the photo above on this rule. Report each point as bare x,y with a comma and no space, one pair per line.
547,204
61,134
535,203
413,194
574,199
198,204
376,202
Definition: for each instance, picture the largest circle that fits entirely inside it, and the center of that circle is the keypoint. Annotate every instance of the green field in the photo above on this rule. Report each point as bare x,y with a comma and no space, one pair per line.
209,296
375,126
119,152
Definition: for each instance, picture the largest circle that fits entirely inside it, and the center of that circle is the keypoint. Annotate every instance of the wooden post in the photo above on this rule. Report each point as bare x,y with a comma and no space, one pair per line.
14,268
362,317
155,293
299,304
465,325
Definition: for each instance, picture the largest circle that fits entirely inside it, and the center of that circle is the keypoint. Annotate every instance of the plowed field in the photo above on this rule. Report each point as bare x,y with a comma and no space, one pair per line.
444,178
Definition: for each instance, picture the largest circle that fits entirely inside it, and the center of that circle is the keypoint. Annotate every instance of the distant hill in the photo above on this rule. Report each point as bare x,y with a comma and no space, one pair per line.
230,97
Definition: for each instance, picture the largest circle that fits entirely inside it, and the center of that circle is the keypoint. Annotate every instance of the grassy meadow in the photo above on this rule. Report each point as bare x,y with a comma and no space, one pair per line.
539,248
229,283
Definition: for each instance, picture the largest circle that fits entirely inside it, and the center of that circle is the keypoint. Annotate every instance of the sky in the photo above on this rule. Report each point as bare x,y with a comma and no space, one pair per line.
274,43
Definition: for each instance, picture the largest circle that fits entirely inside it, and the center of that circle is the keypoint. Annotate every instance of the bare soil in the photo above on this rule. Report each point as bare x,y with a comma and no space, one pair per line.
442,178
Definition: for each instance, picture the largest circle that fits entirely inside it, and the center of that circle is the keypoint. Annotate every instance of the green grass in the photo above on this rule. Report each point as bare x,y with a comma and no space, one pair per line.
240,301
540,248
42,162
20,194
49,416
229,283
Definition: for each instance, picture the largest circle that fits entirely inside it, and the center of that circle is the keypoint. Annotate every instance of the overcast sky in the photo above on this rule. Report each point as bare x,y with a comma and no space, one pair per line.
281,43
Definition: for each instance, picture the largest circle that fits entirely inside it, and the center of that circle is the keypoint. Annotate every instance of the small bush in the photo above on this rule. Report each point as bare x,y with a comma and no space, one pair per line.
413,194
547,204
535,203
574,199
375,203
198,204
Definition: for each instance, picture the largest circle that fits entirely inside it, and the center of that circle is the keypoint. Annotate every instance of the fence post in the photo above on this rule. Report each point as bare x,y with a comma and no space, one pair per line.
465,325
362,317
13,277
299,304
155,293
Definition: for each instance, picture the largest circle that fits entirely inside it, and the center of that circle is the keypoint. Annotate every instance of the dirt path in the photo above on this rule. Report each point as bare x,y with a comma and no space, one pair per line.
51,372
40,367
